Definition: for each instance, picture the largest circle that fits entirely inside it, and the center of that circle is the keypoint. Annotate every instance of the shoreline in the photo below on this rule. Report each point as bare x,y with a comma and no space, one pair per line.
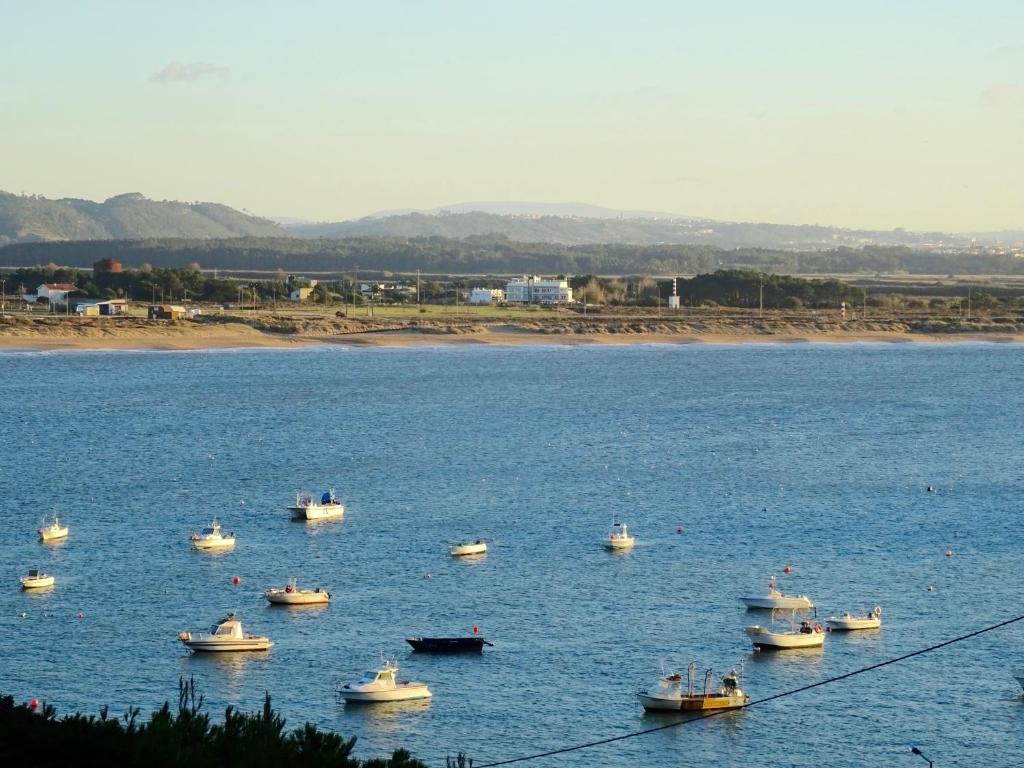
254,339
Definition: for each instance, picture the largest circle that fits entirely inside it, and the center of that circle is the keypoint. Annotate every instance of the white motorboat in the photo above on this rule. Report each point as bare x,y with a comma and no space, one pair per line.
674,693
477,547
308,508
848,622
618,537
807,635
53,532
290,594
773,598
382,685
36,579
211,538
225,635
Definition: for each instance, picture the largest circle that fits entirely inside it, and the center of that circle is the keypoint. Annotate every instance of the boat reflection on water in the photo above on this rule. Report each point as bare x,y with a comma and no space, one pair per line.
231,666
797,657
386,718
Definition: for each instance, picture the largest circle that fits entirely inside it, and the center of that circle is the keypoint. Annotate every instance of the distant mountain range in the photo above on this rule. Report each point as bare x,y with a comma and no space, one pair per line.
31,218
632,229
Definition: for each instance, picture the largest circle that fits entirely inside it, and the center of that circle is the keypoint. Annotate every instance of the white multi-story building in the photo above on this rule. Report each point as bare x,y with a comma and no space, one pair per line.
485,295
534,290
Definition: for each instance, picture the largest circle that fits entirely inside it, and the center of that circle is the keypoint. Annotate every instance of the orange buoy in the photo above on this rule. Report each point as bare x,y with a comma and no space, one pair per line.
34,704
236,580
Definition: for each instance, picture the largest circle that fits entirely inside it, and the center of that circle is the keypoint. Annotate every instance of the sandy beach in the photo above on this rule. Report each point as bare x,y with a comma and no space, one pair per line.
124,334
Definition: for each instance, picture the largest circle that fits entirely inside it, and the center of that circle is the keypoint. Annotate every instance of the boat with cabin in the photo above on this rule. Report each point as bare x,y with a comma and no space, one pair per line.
306,507
211,537
54,531
847,622
477,547
382,684
674,693
806,635
36,579
618,537
773,598
224,636
290,594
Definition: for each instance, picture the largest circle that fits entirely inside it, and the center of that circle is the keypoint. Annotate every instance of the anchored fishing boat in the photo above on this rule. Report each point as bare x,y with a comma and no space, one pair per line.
210,537
290,594
225,635
618,537
773,598
36,579
306,507
382,685
477,547
807,635
473,644
674,693
848,622
53,532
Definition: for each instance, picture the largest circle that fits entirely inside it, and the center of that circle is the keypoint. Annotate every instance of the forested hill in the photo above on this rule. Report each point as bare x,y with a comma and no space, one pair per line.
496,256
578,230
30,218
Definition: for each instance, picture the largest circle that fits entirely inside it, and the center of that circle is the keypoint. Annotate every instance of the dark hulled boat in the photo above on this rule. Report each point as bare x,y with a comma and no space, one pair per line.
447,644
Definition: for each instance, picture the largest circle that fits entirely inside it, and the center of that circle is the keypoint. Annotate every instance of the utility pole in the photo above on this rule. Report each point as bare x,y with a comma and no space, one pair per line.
3,297
968,303
419,301
760,296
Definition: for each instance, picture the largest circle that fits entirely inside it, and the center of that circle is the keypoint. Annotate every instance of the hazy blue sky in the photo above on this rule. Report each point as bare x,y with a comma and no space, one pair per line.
872,114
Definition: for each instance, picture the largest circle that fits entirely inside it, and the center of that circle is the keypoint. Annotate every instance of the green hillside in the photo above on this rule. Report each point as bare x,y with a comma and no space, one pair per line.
31,218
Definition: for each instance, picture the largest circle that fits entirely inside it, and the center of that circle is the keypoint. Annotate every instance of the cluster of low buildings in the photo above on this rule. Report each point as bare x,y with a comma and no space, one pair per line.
525,290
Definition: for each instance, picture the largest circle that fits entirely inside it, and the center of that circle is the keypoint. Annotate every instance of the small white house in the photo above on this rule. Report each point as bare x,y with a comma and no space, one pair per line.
55,293
485,295
535,290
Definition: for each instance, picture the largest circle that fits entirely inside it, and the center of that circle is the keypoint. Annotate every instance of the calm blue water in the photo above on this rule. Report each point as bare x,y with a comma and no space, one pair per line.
810,455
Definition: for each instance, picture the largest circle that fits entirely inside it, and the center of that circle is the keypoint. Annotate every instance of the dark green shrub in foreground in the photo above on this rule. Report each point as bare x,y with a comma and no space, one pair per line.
174,739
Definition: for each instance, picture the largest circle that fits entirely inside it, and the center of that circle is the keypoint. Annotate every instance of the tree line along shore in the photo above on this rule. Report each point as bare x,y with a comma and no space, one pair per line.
32,735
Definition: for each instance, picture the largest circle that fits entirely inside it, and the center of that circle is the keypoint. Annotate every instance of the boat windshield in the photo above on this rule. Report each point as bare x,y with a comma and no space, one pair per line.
206,531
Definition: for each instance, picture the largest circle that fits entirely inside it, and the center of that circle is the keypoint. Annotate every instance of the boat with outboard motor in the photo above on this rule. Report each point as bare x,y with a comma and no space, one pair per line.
225,635
807,635
618,537
381,684
477,547
773,598
290,594
54,531
36,579
847,622
306,507
670,695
